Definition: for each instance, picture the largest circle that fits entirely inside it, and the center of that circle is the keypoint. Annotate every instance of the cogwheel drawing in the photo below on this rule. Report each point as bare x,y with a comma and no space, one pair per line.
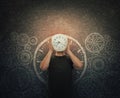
24,57
98,63
27,47
94,42
22,39
33,40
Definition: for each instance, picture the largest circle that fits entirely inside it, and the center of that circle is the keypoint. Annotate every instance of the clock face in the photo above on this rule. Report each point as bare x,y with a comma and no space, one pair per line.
59,42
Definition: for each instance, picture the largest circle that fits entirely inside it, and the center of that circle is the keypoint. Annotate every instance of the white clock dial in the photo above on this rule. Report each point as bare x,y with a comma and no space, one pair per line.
59,42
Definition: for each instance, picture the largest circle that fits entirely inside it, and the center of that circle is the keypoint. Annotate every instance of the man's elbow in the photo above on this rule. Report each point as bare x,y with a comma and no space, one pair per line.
79,66
43,68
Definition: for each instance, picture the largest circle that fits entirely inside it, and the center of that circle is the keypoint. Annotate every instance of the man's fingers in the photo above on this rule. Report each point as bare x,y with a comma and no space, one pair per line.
70,42
49,41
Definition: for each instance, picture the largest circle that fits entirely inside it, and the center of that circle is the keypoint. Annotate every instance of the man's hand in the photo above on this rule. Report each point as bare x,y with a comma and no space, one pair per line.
68,47
77,63
45,62
50,45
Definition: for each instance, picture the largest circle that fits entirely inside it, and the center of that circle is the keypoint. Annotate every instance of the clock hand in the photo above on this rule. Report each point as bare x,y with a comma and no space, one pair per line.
58,42
62,43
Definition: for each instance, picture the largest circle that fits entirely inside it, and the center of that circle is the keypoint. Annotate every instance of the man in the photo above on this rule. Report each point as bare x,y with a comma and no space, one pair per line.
59,68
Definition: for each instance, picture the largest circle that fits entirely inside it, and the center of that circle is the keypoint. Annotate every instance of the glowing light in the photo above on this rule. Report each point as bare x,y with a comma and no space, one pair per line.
77,24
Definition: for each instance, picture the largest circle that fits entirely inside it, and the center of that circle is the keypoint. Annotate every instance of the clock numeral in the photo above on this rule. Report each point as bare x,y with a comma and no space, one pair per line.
79,51
38,61
40,50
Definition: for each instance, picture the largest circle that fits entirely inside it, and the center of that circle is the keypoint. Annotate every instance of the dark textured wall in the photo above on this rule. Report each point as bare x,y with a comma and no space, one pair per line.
24,24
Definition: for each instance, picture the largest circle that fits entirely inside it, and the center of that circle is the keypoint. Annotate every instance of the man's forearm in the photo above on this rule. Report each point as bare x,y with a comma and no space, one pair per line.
45,62
77,63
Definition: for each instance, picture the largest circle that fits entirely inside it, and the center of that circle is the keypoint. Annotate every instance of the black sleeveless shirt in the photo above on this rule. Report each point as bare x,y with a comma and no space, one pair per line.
60,77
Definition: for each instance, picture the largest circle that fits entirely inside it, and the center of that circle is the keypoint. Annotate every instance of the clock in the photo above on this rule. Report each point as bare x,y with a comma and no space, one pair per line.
59,42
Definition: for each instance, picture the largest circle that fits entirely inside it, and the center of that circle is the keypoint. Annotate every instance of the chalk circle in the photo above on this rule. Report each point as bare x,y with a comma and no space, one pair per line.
14,36
24,57
39,52
107,39
98,63
33,40
27,47
22,39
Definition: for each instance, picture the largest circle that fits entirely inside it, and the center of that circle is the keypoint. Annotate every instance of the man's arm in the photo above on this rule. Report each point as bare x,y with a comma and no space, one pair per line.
77,63
45,62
